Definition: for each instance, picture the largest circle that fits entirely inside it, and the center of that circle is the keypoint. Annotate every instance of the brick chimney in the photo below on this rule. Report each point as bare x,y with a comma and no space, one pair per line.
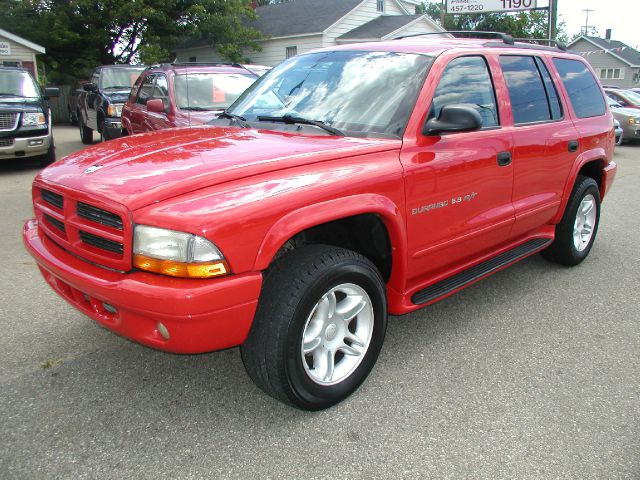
608,34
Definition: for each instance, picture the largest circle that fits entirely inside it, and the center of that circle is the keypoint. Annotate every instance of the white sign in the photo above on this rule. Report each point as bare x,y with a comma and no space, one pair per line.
485,6
5,48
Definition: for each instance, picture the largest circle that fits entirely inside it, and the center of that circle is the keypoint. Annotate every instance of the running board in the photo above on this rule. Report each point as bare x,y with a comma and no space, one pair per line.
472,274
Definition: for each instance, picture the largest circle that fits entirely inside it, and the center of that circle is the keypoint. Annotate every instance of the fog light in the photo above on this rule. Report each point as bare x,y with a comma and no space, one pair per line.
163,331
36,142
110,308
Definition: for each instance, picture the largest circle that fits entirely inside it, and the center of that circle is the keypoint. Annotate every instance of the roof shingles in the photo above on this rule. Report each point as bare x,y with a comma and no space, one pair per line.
622,50
379,27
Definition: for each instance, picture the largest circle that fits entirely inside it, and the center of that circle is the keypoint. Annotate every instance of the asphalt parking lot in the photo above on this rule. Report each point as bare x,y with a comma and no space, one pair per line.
532,373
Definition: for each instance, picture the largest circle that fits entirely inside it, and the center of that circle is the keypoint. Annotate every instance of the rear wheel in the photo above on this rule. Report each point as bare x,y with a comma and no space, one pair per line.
319,327
577,230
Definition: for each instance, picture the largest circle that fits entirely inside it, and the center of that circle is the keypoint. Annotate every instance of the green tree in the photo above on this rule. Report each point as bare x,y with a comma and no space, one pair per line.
80,34
525,24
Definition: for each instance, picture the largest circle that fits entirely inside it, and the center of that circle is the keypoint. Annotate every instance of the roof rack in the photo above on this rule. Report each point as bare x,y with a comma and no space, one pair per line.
544,41
203,64
508,39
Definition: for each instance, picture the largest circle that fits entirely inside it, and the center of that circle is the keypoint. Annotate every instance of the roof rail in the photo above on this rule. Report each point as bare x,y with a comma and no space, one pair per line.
203,64
506,38
544,41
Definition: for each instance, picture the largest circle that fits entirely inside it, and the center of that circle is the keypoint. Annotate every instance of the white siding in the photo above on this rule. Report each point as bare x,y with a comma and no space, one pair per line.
410,5
362,14
421,26
19,53
273,51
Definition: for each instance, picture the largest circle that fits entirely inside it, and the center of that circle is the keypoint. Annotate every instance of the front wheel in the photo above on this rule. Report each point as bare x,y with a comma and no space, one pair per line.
577,230
49,157
319,327
86,134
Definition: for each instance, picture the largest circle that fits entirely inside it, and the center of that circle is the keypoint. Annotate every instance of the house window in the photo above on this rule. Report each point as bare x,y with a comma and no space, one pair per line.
380,6
292,51
610,73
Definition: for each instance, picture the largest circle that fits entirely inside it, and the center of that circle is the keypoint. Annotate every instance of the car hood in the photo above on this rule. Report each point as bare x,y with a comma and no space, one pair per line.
117,96
625,112
139,170
19,104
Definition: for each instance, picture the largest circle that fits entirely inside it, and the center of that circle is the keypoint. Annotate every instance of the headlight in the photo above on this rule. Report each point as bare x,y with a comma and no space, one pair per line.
114,110
177,254
33,119
634,121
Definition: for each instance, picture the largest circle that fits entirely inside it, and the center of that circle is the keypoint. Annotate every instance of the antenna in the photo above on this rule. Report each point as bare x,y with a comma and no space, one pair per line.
586,22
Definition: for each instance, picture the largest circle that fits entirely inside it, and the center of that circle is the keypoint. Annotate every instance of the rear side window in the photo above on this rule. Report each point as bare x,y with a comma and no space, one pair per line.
582,87
527,92
467,80
552,93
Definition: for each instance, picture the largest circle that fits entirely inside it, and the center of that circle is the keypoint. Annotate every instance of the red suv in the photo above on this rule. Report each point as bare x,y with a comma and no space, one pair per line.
182,94
347,184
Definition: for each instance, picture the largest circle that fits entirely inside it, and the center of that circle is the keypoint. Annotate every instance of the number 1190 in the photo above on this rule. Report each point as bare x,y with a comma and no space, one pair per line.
506,4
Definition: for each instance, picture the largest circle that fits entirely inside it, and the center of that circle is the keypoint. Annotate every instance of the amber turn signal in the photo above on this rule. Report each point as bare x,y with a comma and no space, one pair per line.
172,268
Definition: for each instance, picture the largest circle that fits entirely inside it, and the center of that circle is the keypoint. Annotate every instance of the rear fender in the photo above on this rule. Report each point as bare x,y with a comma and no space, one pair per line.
597,154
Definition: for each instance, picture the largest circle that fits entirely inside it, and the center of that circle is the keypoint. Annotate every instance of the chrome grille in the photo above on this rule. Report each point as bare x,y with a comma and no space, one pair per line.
8,121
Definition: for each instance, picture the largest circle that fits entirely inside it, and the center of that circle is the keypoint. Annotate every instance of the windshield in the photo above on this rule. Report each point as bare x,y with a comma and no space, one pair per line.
17,84
122,78
209,91
360,93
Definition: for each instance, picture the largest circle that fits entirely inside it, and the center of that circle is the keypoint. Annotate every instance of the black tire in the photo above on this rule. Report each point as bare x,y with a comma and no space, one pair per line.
292,287
49,157
563,249
73,120
86,134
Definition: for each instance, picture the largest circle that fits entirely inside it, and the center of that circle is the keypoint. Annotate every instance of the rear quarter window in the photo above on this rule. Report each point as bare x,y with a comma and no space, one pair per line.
583,89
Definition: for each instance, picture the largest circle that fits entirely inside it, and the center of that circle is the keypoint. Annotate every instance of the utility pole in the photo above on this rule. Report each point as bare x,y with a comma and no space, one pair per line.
553,19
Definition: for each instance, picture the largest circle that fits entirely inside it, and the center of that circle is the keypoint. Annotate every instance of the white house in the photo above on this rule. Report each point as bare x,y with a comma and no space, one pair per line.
15,51
299,26
615,62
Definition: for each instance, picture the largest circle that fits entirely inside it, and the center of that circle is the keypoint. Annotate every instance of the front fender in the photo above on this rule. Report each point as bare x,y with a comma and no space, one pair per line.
319,213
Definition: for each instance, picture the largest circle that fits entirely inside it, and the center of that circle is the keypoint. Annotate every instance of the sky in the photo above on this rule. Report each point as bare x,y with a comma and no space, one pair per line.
622,16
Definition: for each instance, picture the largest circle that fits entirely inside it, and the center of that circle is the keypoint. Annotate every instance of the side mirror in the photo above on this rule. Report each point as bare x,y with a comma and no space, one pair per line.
89,87
51,92
454,118
155,105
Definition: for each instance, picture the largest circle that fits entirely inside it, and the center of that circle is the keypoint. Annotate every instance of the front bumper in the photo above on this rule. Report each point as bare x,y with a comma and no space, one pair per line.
112,127
24,147
630,132
199,315
608,174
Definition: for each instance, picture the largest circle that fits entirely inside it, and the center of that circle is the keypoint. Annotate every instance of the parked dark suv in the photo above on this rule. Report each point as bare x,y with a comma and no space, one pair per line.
100,103
25,117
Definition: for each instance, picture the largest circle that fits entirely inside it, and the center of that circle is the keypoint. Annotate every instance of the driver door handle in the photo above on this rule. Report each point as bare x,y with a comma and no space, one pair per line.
504,159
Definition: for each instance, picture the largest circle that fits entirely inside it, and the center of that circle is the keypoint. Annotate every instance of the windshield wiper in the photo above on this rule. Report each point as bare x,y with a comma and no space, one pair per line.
119,87
237,118
199,109
290,119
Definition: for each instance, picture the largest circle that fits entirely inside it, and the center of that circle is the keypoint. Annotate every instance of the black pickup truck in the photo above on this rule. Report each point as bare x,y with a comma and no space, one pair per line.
25,117
100,103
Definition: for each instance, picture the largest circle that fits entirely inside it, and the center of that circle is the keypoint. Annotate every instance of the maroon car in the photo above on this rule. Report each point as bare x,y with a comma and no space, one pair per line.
182,94
626,98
